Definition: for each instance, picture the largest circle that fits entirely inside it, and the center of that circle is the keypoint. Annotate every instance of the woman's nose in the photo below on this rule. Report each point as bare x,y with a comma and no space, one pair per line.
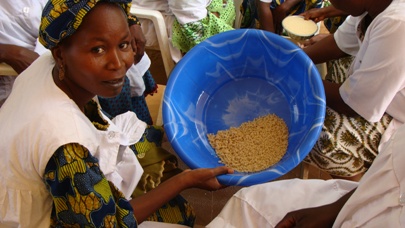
115,60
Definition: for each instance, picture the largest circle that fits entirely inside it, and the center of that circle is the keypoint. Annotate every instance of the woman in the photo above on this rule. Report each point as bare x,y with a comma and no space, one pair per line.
19,47
347,145
268,14
373,92
65,163
189,22
198,20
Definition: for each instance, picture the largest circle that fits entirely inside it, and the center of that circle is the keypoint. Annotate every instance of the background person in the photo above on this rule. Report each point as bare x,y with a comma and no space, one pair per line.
375,84
19,46
188,22
268,14
348,144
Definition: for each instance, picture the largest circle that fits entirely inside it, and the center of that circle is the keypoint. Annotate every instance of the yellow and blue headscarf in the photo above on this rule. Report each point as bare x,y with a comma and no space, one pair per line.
61,18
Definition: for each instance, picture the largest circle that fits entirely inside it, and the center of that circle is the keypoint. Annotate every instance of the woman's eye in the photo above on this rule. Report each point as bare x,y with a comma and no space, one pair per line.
124,45
97,50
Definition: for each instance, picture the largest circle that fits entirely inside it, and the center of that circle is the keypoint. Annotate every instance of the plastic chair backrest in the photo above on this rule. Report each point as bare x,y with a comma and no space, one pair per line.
238,18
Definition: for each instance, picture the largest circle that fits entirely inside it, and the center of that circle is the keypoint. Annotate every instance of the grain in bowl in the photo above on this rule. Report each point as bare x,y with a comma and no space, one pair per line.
254,145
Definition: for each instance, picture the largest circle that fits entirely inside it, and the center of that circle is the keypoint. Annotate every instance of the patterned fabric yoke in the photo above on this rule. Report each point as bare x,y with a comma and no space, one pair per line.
81,193
186,36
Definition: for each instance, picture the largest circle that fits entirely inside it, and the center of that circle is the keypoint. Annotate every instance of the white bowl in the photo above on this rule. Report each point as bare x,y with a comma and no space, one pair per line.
299,29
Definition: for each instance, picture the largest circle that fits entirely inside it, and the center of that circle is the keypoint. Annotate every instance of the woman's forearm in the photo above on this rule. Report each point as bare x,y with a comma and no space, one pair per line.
324,50
149,202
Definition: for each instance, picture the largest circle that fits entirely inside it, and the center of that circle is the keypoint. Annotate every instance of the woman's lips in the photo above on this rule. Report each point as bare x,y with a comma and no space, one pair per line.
116,83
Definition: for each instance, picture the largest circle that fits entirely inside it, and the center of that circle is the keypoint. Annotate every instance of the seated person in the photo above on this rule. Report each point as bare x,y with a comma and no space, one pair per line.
334,153
363,103
66,163
268,14
19,45
188,22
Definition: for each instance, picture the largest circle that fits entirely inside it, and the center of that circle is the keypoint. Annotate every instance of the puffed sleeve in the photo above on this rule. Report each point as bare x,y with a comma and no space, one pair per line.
377,76
81,194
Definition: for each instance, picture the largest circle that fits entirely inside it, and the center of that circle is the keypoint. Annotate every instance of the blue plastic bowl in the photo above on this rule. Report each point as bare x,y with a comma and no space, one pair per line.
234,77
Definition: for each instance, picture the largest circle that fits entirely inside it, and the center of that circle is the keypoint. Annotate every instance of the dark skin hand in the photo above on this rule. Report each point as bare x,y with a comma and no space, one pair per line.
323,216
146,204
281,12
19,58
323,50
319,14
138,42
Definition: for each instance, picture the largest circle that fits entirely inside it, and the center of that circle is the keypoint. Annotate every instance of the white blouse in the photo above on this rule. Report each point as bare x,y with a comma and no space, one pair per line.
377,76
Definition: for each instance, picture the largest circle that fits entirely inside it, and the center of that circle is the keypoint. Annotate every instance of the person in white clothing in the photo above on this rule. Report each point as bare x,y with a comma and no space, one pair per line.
64,162
375,85
378,200
19,46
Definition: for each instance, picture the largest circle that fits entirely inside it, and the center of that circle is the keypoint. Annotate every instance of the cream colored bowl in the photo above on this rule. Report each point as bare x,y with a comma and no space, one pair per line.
297,28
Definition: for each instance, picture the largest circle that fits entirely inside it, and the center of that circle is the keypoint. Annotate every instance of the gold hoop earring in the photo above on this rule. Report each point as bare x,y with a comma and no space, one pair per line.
61,73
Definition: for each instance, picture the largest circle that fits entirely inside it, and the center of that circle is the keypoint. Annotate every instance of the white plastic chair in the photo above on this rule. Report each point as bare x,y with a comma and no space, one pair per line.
238,18
160,28
7,70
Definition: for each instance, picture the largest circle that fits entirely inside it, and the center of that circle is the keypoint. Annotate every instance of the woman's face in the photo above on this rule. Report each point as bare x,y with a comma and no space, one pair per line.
97,56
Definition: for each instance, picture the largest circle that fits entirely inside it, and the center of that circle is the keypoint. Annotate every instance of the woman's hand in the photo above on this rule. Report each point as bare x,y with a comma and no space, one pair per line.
308,217
138,42
19,58
319,14
206,178
322,216
315,14
312,40
146,204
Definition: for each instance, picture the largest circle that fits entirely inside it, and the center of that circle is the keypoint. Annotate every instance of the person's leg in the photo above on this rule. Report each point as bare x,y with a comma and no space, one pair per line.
347,146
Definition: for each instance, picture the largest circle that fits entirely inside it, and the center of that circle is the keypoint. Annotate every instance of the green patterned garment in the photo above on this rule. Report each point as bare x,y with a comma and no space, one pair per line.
186,36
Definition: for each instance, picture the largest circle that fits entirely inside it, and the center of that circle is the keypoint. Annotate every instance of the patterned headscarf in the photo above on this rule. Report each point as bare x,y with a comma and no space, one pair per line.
61,18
